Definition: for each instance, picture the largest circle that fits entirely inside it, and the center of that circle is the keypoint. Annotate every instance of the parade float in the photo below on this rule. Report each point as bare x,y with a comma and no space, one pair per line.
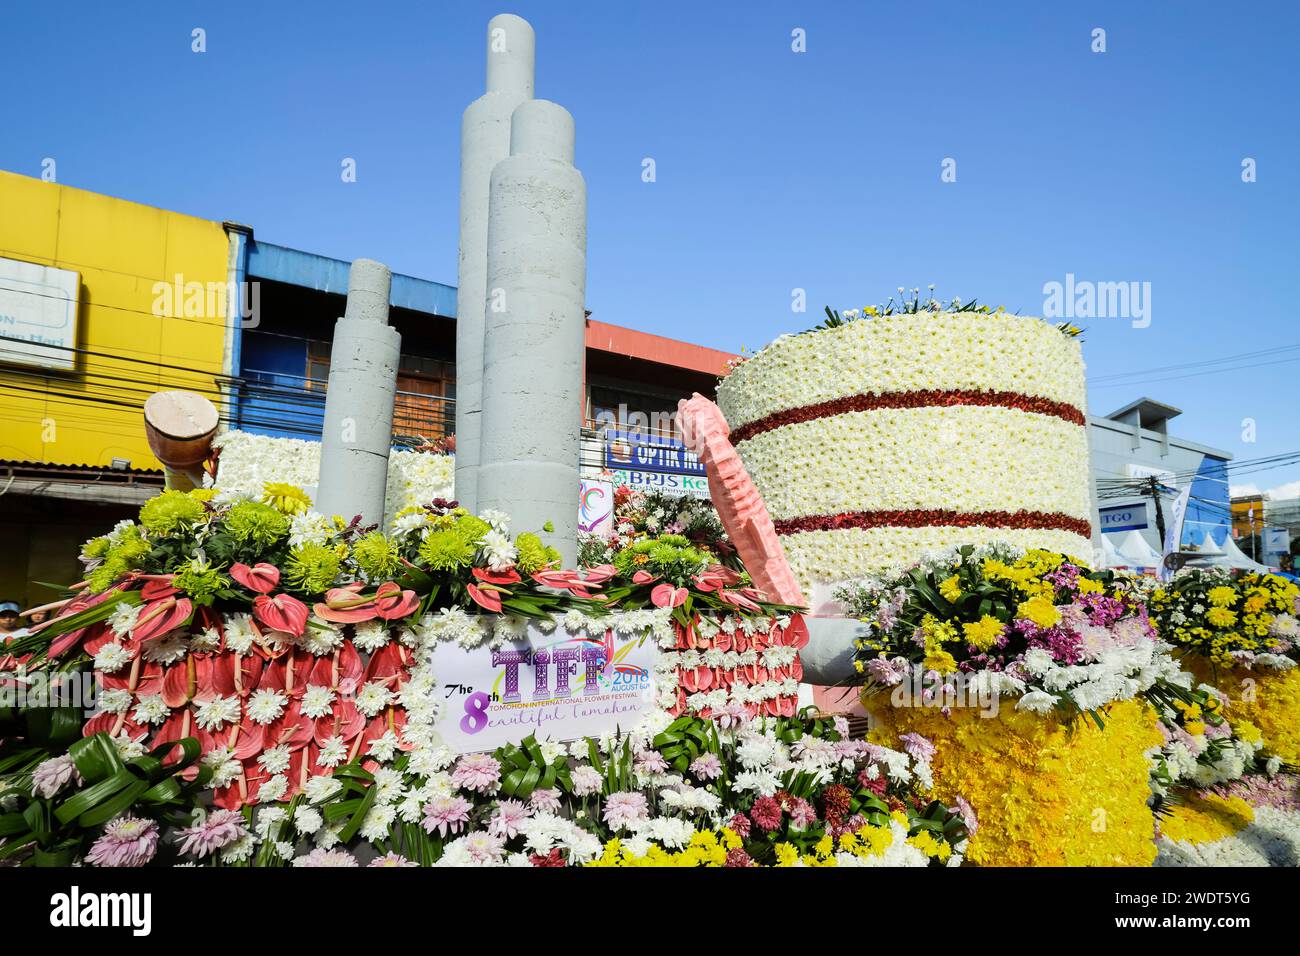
339,654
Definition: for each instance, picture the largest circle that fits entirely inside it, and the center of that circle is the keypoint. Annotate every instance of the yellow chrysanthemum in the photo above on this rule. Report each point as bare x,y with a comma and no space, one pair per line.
1039,610
983,633
950,588
286,498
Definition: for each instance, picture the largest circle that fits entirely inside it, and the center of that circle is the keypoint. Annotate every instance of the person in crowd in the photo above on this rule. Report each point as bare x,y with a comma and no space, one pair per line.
11,625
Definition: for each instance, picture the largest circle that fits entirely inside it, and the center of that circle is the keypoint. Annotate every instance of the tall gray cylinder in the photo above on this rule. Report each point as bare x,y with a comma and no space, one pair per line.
358,429
535,329
484,142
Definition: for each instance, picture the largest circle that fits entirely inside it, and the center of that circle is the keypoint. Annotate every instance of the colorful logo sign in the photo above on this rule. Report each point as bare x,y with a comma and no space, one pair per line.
596,507
557,686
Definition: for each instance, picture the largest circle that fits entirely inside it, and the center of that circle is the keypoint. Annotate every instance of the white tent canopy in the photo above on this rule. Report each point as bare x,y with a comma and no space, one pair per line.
1109,555
1234,557
1208,546
1137,553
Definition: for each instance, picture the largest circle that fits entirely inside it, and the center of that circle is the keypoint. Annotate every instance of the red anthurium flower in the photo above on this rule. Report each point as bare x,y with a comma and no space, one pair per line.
506,576
643,577
261,578
391,602
281,613
346,606
600,574
738,599
161,616
665,595
485,598
158,586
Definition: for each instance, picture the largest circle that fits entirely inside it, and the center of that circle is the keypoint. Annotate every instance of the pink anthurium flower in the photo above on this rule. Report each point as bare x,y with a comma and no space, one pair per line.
161,616
281,613
599,574
738,599
346,606
665,595
643,577
261,578
485,598
504,576
158,586
392,603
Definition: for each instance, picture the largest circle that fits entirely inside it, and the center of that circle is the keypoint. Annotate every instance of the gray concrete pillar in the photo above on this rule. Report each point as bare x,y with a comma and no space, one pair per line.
535,329
358,429
484,142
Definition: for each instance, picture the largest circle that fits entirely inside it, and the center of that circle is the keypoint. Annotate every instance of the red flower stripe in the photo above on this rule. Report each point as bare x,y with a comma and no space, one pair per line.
935,518
926,398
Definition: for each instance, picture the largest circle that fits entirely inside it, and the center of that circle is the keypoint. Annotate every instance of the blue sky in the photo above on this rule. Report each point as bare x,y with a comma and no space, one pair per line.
775,170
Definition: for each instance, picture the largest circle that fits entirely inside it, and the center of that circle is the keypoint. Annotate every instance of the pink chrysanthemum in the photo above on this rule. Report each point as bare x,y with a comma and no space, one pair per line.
766,812
321,857
220,829
650,762
510,814
391,860
622,809
739,823
447,815
477,772
127,841
51,776
707,767
545,801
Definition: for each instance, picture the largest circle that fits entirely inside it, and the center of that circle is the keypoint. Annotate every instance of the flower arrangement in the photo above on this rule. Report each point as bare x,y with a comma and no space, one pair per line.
1224,830
647,514
1240,633
953,635
1034,625
685,792
1201,746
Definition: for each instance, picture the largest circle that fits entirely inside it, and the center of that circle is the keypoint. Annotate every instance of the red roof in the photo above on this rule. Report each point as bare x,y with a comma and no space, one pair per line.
655,348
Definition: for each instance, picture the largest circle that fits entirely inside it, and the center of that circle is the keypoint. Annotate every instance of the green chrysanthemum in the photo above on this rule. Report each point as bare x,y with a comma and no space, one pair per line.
200,580
669,556
119,559
312,568
171,512
472,528
255,524
95,548
376,555
533,554
446,550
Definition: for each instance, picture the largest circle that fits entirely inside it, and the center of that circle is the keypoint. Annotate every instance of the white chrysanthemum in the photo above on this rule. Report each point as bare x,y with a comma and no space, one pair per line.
498,551
273,789
151,709
240,633
208,639
307,820
333,752
372,698
265,706
321,637
275,759
317,701
122,620
225,767
115,701
309,528
111,658
370,636
384,747
321,788
216,713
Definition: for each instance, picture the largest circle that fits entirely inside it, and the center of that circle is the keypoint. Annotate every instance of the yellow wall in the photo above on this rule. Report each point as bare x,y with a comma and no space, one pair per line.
121,249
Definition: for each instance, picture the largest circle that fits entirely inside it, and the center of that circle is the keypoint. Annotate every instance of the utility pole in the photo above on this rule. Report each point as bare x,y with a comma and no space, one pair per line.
1154,487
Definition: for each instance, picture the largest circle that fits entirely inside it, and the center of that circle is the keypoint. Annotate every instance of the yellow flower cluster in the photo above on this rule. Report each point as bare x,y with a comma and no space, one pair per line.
1239,615
709,848
1046,793
1260,702
1205,818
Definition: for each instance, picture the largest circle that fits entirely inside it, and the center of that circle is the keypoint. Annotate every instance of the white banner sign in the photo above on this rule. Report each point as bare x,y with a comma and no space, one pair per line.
557,686
38,307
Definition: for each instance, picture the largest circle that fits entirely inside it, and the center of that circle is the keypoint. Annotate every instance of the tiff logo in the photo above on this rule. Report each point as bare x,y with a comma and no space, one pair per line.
77,909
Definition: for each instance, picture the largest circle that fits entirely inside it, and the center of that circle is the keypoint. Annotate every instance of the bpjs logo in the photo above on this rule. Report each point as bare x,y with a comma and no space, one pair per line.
76,909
